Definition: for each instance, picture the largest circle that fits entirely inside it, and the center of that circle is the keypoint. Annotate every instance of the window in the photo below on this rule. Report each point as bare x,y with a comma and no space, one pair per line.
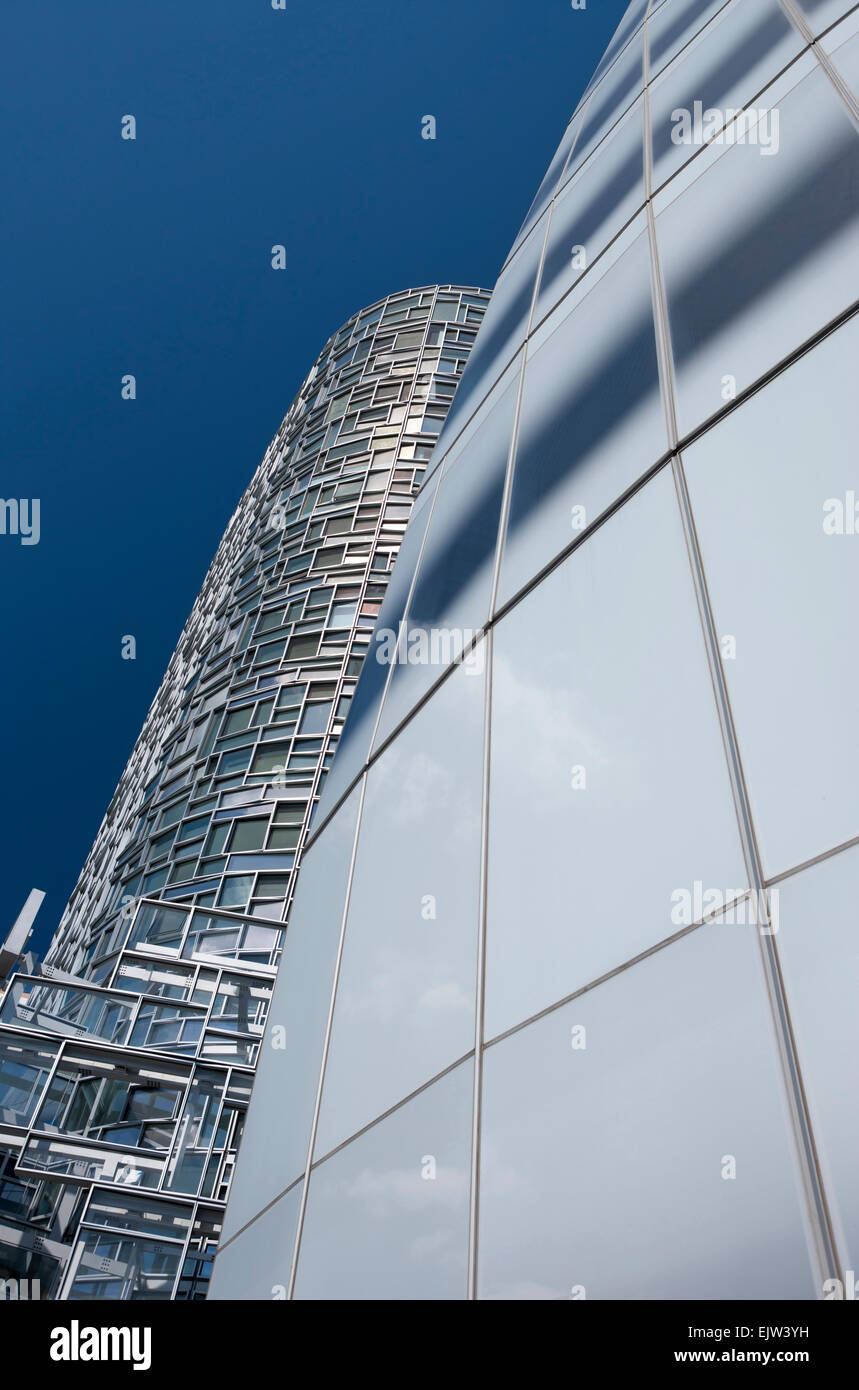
248,834
271,619
262,713
270,759
217,838
284,837
330,555
162,844
342,615
235,891
315,719
237,721
302,646
290,696
192,829
161,926
234,762
271,886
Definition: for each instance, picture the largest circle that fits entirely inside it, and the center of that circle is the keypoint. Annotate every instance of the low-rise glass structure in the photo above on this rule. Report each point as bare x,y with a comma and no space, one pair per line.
565,1008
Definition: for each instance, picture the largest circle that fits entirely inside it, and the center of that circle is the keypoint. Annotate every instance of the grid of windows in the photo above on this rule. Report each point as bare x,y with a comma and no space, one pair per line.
239,739
567,985
126,1062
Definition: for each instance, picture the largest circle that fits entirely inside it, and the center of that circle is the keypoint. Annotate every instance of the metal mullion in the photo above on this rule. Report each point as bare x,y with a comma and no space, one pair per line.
49,1081
480,983
327,1039
820,1225
186,1246
173,1154
800,23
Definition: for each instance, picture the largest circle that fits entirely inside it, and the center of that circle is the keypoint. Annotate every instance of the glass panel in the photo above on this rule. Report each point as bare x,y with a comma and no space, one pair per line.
744,292
52,1158
501,334
256,1264
602,711
575,455
609,101
450,601
842,44
607,1153
405,995
270,759
160,978
819,951
234,893
387,1216
146,1215
117,1267
277,1130
65,1010
354,744
195,1131
547,187
24,1068
674,25
158,926
315,719
820,13
248,834
774,492
732,60
592,209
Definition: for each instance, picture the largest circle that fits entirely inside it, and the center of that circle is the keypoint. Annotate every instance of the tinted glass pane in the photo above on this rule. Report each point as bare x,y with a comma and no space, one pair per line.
405,996
674,25
257,1263
277,1132
607,761
820,13
354,745
774,493
731,61
547,187
574,455
502,332
450,601
602,1166
819,951
744,292
592,209
387,1216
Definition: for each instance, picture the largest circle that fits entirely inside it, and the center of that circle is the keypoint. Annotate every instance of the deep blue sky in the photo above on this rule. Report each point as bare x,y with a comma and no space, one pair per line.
254,127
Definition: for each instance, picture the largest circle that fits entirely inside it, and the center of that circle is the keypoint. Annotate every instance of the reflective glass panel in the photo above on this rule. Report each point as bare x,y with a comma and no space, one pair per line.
743,292
818,947
277,1130
450,599
574,454
607,1154
776,503
610,788
387,1216
257,1263
354,745
405,995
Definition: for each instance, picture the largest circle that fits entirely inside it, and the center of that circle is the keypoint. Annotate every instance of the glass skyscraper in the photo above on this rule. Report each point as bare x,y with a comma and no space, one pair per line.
126,1061
566,1004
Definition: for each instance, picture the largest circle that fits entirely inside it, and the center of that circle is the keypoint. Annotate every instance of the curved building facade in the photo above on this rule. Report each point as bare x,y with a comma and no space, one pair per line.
565,1004
126,1062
